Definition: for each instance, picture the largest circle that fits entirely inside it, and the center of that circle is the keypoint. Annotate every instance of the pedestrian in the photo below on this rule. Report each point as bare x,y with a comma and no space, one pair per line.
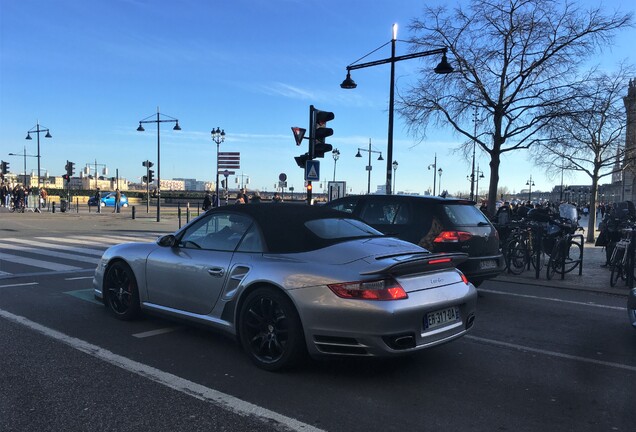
4,191
240,198
256,198
117,200
207,201
276,198
245,197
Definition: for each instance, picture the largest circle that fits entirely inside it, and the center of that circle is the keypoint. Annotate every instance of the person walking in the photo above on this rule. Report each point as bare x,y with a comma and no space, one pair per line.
117,200
207,201
256,198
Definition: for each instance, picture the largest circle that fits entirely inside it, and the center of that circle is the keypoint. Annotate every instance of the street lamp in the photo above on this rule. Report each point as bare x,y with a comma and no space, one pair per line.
478,174
369,167
218,136
434,166
442,68
336,155
439,172
395,167
176,127
36,129
25,164
530,183
472,171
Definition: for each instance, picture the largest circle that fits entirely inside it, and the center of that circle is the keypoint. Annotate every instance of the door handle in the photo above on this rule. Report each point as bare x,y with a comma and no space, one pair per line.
216,271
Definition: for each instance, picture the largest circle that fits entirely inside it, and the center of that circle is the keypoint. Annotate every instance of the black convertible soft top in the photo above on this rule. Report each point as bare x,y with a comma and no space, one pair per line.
283,224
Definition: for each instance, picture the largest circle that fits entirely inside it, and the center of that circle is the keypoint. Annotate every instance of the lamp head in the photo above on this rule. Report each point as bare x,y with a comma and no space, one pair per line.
380,157
140,128
443,67
176,126
48,134
28,136
358,154
348,83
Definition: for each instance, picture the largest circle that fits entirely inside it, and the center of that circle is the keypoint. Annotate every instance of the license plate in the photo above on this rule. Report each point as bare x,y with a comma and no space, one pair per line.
441,317
487,264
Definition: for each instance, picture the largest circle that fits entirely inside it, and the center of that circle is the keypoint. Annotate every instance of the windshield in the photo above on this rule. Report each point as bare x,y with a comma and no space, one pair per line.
568,211
332,229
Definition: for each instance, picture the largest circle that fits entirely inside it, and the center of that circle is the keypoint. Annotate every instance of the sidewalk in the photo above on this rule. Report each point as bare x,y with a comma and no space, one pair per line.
594,278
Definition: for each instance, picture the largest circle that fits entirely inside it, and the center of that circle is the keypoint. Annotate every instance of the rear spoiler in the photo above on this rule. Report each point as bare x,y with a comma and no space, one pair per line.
418,263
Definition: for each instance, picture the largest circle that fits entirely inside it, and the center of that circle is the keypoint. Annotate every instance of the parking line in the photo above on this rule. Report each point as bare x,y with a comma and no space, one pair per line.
190,388
20,284
550,353
553,299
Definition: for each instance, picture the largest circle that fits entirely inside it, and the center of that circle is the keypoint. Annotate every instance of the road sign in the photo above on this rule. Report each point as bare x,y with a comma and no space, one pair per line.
229,160
312,170
282,177
299,134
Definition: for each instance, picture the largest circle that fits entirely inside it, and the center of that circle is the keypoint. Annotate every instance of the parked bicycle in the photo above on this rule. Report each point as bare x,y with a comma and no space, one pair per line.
620,261
567,251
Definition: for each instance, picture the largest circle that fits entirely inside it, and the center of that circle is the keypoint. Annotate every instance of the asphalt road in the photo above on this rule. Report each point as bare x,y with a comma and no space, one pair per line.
538,358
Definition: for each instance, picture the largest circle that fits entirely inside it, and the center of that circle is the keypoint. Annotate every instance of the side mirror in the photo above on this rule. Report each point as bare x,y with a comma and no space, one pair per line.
168,240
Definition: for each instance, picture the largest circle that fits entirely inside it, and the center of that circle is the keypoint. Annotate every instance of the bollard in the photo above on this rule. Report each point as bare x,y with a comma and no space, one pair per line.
198,213
77,204
133,212
53,207
188,213
179,214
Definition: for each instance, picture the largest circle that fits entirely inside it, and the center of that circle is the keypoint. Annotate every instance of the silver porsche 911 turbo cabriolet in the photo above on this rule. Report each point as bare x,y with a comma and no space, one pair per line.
289,280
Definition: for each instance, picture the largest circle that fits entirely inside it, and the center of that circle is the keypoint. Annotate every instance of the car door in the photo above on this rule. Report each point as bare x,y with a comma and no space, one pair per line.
192,275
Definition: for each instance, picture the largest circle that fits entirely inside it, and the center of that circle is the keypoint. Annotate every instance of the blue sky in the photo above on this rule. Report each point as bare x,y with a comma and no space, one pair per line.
90,70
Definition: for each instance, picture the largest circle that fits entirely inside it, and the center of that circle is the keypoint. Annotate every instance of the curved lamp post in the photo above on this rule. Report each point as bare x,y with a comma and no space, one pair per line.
176,127
439,172
530,183
218,136
434,166
395,167
336,155
36,130
442,68
369,167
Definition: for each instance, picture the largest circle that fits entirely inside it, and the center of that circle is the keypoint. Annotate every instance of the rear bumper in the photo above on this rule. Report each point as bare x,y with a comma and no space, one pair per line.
483,267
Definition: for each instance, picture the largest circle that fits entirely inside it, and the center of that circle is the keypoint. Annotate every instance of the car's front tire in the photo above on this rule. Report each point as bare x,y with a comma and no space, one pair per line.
270,330
121,294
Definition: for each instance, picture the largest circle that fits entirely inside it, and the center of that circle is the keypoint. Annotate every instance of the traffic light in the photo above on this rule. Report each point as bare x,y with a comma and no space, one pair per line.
70,168
321,131
301,160
224,184
144,179
151,176
147,163
309,187
66,177
5,167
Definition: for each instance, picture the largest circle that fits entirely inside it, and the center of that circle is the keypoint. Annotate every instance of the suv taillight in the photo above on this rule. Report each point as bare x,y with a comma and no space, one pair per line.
452,237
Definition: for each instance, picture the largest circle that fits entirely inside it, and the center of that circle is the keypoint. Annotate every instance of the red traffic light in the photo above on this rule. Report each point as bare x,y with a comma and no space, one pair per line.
299,134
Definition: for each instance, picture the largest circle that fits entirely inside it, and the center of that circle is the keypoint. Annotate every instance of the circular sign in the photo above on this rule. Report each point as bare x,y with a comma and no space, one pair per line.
226,173
282,177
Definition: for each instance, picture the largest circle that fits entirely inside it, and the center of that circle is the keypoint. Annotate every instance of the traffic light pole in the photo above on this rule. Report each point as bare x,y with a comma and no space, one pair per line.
312,142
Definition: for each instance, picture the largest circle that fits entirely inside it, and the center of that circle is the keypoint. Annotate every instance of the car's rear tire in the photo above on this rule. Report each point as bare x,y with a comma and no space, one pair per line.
121,294
270,330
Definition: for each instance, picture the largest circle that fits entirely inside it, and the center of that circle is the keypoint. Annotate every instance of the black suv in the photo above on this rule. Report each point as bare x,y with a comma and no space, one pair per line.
435,223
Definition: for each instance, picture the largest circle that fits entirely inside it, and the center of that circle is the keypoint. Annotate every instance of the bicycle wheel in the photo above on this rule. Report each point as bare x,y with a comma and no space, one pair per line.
516,256
573,255
616,274
555,261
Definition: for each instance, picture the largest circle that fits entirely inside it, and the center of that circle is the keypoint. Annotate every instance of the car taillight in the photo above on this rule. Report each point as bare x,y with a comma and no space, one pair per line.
452,237
464,278
384,289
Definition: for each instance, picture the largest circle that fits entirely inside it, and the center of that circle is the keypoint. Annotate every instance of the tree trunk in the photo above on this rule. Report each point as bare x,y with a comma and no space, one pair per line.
591,223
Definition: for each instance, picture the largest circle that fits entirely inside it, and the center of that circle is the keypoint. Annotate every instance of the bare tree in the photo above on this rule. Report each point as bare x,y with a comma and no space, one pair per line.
513,58
588,135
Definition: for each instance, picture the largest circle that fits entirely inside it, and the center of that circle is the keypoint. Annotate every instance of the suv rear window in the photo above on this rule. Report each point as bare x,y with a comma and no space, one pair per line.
465,215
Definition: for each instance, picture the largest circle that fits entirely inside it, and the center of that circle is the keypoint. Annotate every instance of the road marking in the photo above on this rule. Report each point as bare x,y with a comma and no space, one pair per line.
156,332
222,400
20,284
45,252
79,278
553,299
83,250
551,353
37,263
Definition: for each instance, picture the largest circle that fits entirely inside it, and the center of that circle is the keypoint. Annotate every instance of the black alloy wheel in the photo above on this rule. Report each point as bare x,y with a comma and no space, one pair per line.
120,291
270,330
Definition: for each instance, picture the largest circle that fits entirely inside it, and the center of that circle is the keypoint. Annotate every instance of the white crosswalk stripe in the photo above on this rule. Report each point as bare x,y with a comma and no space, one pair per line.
60,254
